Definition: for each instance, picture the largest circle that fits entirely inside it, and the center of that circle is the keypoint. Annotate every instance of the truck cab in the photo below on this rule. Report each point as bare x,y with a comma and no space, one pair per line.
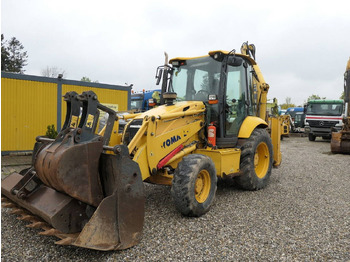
145,100
299,121
297,118
321,116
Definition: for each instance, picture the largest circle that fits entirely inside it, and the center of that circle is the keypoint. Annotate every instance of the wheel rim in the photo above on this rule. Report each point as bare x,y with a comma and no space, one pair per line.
202,186
261,160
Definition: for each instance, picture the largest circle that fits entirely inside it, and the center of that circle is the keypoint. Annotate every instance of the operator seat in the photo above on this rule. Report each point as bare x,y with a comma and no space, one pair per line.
201,95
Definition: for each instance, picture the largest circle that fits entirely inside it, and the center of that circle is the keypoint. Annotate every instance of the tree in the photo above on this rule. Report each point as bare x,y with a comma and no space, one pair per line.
86,79
51,132
342,95
13,58
287,104
315,97
53,72
288,100
5,55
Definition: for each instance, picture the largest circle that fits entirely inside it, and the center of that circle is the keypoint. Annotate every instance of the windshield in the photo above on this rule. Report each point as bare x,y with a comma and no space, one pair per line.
136,104
291,113
197,79
201,77
335,109
298,117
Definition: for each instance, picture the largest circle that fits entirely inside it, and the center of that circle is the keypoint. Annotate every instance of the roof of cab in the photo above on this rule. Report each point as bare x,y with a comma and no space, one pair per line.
211,53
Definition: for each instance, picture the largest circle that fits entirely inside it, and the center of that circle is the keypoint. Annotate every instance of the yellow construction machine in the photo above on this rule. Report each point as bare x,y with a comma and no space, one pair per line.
285,120
87,188
340,142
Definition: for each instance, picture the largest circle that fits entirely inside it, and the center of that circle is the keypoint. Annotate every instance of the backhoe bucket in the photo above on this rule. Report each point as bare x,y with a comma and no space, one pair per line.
340,142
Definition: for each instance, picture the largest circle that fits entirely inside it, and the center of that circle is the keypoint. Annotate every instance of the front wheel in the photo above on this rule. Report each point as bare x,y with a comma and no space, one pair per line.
194,185
312,137
256,161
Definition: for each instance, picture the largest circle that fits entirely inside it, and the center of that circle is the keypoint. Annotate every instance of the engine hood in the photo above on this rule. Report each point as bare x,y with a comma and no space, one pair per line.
176,108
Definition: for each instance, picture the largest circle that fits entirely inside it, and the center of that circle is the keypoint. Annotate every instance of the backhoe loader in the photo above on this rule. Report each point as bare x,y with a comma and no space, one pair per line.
340,142
87,188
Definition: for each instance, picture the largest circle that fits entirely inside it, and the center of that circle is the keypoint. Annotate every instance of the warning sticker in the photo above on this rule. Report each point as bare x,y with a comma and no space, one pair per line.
89,121
74,121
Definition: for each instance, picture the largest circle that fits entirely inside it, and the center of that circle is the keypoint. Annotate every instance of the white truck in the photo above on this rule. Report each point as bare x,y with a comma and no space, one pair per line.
321,116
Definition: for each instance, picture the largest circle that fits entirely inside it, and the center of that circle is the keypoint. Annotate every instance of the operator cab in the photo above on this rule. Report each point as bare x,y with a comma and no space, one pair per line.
223,83
137,102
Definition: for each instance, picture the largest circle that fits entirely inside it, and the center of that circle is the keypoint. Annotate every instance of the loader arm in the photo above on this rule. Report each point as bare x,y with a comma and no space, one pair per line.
162,132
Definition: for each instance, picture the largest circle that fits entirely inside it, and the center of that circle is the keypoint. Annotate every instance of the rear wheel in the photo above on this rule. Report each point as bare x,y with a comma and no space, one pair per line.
256,161
194,185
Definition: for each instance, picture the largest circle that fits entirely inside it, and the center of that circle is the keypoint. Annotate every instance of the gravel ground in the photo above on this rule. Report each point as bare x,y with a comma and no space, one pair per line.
302,215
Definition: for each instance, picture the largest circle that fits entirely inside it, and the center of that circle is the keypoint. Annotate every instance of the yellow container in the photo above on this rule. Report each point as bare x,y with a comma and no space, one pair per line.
30,103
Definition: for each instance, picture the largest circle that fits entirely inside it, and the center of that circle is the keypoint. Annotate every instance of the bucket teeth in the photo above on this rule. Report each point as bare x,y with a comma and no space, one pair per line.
18,211
65,241
8,205
38,224
50,232
26,217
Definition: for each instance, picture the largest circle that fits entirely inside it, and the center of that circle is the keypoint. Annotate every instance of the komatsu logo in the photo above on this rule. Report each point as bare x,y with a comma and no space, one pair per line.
171,141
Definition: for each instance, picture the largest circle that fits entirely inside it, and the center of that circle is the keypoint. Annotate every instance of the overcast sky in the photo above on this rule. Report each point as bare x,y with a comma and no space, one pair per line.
302,46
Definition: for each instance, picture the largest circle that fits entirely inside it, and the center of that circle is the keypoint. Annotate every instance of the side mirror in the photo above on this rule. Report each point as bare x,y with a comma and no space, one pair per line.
234,61
159,74
305,108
